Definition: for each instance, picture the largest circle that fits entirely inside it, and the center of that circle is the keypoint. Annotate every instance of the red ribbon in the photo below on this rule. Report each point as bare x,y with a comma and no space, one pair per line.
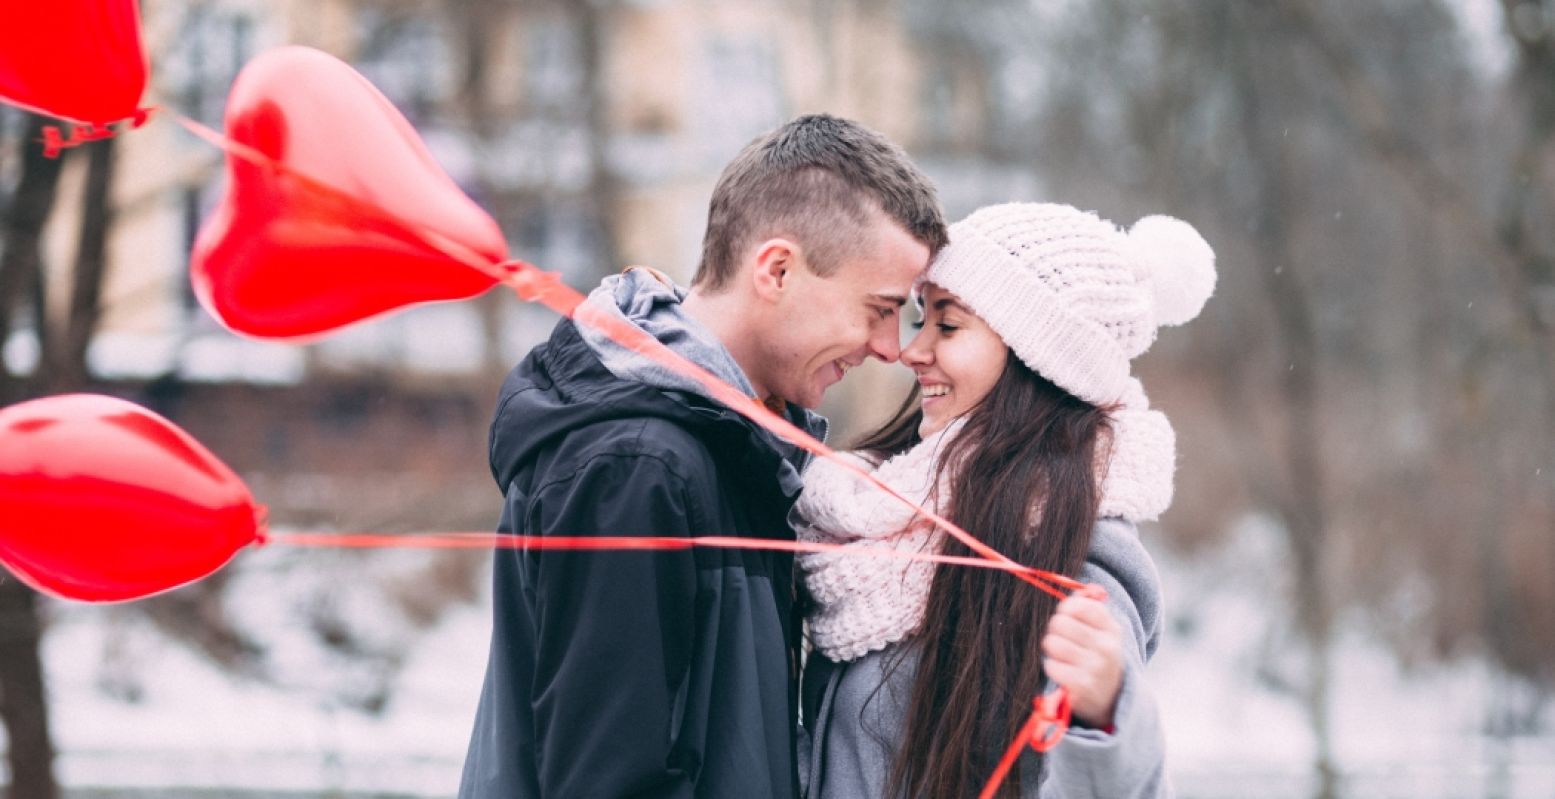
488,540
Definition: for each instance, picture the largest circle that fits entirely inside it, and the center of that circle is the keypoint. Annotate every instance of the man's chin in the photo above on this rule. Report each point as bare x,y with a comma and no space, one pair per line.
810,398
815,392
809,403
805,396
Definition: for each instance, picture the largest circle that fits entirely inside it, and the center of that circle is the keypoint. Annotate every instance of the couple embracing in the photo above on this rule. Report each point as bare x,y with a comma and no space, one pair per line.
731,673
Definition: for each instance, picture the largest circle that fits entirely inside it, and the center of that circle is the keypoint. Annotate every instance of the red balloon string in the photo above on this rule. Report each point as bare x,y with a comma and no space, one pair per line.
1043,729
490,540
532,284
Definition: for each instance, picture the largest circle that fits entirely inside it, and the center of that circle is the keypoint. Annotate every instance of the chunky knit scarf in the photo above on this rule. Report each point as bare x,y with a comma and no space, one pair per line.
865,604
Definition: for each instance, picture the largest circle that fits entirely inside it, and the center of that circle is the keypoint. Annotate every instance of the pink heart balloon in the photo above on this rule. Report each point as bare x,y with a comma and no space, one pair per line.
374,224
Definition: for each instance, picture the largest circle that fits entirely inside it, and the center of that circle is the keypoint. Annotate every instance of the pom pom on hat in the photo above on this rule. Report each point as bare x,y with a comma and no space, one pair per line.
1179,265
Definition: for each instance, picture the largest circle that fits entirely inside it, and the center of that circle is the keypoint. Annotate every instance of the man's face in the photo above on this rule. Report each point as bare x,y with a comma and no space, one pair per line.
824,326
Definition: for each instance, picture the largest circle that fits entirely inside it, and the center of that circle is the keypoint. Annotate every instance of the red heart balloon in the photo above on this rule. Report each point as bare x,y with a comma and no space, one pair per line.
77,59
102,500
346,216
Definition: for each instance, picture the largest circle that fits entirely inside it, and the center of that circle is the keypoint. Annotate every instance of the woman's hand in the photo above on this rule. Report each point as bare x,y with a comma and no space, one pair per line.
1084,649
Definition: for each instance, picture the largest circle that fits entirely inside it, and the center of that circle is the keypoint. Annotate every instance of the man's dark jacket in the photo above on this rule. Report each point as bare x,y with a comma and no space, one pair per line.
643,674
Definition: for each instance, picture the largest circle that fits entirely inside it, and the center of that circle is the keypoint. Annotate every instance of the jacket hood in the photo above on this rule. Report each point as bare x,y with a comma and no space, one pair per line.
650,301
562,386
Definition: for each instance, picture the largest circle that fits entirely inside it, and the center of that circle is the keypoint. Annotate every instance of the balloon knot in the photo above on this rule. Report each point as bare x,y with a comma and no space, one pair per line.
261,525
530,283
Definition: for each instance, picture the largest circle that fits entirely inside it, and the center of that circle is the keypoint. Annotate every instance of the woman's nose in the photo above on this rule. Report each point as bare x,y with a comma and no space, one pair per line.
918,352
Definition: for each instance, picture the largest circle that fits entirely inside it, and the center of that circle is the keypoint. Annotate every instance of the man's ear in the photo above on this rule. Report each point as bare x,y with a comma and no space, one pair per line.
773,272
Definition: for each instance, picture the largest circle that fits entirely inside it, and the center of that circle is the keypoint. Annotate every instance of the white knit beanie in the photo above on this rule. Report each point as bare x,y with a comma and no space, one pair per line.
1072,295
1077,299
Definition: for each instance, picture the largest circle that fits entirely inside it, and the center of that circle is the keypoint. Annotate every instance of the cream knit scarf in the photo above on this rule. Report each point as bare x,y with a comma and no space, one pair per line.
865,604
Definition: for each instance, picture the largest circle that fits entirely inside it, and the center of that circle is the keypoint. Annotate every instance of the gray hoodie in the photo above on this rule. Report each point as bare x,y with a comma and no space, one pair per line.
651,302
864,704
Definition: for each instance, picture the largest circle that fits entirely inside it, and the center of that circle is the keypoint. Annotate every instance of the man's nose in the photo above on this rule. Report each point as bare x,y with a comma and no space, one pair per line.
884,343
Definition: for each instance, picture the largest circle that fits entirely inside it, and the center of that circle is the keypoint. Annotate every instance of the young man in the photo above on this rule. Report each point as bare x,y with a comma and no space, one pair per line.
674,674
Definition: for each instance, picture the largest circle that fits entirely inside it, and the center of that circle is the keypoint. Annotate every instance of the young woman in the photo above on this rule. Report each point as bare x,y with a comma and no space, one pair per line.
1026,430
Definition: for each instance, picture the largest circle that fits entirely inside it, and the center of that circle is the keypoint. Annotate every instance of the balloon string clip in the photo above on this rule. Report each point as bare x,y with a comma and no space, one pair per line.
55,142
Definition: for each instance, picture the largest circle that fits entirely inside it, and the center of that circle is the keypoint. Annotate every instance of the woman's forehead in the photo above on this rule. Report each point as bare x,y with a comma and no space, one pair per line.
934,297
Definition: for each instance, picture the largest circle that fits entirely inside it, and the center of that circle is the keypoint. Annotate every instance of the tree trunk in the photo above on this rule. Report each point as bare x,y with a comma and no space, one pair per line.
66,356
1533,167
1301,504
21,263
23,703
604,188
479,23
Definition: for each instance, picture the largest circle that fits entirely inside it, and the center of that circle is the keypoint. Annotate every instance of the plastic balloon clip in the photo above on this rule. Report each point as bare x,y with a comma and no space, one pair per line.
55,142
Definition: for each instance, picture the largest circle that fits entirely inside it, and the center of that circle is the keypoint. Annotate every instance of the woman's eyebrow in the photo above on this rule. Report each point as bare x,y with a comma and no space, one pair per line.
943,302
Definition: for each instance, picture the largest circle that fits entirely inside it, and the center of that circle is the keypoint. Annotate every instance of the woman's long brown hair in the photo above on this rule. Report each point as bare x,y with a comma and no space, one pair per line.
1027,454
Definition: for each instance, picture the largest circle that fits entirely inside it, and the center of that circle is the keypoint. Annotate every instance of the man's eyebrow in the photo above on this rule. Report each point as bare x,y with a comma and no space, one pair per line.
892,299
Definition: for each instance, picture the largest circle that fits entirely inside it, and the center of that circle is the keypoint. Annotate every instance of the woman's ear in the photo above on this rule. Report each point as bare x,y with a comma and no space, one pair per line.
775,262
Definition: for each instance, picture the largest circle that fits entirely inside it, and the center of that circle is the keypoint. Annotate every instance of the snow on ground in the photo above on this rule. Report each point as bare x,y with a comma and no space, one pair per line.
196,726
1413,735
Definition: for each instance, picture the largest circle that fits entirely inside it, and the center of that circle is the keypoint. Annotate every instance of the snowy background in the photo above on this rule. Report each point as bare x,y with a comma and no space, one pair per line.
1365,411
1231,733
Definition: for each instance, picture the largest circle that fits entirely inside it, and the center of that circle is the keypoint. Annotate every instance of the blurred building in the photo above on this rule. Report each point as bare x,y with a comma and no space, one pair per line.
593,132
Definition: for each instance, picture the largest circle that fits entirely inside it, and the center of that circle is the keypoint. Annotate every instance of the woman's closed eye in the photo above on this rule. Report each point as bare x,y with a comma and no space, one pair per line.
944,328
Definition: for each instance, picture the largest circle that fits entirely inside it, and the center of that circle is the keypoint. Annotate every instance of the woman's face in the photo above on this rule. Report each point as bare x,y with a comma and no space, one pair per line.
956,356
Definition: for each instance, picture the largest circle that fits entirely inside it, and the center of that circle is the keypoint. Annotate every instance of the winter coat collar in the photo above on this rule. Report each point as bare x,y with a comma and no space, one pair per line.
562,385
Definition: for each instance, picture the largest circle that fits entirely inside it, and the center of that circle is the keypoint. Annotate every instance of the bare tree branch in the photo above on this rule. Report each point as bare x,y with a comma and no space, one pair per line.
1450,201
